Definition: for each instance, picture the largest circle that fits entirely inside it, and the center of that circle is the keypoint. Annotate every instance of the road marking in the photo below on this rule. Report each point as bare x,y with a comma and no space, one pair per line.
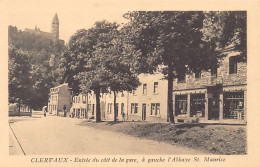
16,139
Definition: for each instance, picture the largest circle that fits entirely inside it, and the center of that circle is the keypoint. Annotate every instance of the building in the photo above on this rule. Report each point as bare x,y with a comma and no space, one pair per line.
54,34
108,108
218,95
59,99
149,101
214,96
79,106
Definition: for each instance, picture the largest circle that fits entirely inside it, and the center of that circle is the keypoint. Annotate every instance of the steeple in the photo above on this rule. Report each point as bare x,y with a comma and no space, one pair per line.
55,19
55,27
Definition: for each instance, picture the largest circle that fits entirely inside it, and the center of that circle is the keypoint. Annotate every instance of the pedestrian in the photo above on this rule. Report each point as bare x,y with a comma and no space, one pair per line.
45,111
123,116
64,109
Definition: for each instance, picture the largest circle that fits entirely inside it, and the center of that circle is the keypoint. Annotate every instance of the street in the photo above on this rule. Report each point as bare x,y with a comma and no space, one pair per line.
38,135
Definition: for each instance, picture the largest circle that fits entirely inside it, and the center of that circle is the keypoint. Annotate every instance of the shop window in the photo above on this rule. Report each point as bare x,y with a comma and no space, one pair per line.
181,105
197,105
233,105
155,87
233,65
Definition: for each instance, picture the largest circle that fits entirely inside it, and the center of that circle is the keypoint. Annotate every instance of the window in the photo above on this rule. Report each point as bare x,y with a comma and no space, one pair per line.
109,108
233,65
197,105
134,91
198,75
84,99
122,108
233,105
155,87
181,77
155,109
152,108
144,89
134,108
181,105
214,69
89,108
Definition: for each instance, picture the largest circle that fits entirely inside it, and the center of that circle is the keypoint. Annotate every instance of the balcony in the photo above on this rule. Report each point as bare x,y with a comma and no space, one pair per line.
212,81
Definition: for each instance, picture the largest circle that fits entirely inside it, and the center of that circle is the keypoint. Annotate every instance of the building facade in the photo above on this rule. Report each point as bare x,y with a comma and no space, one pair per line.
59,100
149,101
218,95
79,106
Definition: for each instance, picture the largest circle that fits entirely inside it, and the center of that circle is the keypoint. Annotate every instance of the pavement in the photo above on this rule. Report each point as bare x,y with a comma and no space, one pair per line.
52,135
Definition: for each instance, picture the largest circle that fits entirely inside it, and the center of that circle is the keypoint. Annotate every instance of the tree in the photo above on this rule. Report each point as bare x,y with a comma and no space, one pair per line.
117,61
87,59
43,54
19,80
172,40
226,29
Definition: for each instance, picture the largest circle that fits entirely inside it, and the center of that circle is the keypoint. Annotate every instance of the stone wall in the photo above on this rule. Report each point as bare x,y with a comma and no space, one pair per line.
223,76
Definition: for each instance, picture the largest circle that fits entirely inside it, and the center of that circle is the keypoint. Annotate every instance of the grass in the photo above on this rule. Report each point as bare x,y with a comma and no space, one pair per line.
215,139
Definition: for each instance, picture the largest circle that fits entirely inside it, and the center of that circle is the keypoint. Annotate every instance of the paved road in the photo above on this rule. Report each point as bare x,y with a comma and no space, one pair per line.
57,135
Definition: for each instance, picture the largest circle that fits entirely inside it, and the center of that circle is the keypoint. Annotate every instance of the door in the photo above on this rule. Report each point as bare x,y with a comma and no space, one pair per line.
102,110
116,110
144,112
213,109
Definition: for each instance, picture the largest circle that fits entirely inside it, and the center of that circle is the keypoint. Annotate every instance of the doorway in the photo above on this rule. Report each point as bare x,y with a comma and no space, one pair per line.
144,112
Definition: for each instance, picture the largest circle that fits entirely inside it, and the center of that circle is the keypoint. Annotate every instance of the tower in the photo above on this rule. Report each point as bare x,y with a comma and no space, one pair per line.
55,27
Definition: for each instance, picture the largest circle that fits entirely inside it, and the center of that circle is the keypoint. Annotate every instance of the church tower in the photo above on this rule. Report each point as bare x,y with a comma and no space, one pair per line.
55,27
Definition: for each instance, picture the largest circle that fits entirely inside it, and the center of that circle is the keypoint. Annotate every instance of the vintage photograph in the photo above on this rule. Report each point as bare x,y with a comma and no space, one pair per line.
134,82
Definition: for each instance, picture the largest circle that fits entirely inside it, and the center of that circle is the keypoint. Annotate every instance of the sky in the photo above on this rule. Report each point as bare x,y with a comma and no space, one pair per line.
77,14
72,16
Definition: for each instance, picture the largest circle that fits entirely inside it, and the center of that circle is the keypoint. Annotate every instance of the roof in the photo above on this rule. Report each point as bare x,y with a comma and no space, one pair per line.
55,18
59,86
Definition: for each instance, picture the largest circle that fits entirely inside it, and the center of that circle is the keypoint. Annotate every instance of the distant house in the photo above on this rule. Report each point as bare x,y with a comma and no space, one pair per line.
79,106
218,95
59,98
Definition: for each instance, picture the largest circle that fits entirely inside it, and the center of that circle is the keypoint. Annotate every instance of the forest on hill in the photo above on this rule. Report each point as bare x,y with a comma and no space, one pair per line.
41,57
